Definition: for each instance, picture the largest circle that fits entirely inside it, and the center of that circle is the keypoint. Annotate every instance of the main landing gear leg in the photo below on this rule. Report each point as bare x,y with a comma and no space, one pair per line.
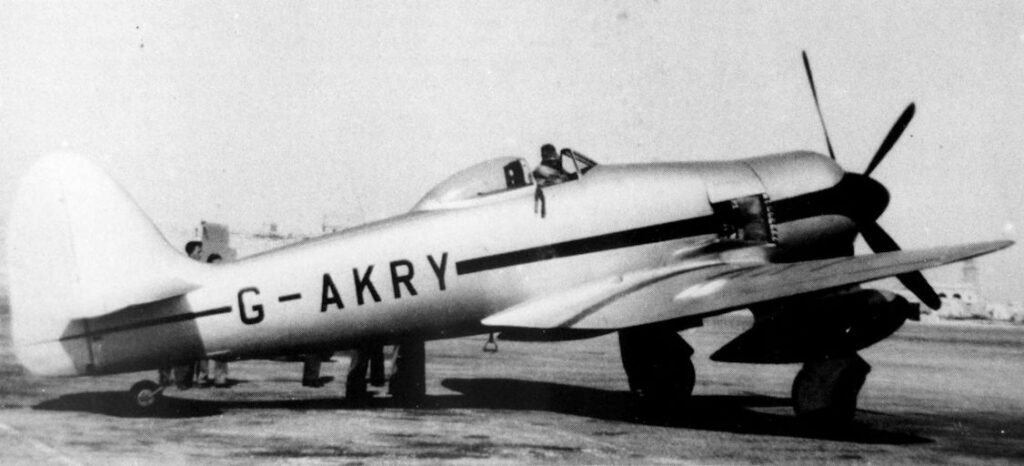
408,383
825,390
658,366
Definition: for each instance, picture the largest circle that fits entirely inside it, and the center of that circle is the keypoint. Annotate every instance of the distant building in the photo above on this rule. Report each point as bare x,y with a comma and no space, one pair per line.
1009,312
271,232
964,300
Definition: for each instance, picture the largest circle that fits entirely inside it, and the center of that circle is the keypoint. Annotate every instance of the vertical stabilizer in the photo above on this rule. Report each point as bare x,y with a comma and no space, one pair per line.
79,247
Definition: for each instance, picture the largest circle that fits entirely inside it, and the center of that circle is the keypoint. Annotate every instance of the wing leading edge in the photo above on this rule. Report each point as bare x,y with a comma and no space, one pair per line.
711,286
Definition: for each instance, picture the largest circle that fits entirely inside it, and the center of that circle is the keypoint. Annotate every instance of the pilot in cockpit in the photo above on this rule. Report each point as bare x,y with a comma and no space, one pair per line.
550,170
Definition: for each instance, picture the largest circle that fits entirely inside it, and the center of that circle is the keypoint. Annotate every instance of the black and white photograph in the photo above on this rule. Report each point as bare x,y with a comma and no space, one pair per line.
511,232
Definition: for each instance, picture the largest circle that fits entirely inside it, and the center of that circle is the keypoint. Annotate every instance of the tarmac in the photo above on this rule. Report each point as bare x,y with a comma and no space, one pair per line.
937,394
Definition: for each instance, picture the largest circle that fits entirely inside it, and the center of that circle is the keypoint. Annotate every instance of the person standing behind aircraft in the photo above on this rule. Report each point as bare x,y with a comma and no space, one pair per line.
311,369
220,366
182,376
550,171
364,357
194,250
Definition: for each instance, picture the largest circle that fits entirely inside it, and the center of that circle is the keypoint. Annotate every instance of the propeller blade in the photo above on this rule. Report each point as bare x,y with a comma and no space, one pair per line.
877,238
917,284
891,138
814,92
880,241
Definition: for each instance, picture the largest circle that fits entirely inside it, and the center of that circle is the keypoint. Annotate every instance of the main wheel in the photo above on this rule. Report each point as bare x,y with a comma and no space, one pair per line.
671,385
145,396
658,366
825,391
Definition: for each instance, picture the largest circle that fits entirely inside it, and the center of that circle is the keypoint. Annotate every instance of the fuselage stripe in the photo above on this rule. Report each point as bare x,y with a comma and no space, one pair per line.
621,239
824,202
150,323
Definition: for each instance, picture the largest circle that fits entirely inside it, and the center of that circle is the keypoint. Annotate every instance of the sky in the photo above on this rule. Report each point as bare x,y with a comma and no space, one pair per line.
248,113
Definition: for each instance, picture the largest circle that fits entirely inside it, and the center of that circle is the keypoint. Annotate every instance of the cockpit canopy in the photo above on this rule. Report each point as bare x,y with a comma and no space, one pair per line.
483,180
492,179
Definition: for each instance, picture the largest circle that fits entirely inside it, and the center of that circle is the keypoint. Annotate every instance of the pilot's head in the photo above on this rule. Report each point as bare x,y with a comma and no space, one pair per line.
548,153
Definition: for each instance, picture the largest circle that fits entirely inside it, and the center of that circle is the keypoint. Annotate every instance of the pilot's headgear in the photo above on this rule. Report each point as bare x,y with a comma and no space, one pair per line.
547,152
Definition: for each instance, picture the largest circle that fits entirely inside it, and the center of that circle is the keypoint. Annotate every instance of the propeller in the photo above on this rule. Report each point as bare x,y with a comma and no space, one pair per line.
814,92
891,138
878,240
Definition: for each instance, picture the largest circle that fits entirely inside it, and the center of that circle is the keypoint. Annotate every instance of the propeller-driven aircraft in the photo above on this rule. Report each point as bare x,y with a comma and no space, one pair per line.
644,250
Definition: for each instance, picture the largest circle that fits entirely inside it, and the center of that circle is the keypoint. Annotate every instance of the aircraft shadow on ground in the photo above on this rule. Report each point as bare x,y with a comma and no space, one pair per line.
723,413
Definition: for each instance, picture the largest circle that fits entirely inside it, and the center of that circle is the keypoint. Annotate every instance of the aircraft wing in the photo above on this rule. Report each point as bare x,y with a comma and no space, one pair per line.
712,286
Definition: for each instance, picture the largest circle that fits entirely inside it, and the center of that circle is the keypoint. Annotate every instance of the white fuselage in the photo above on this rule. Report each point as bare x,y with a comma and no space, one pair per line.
429,273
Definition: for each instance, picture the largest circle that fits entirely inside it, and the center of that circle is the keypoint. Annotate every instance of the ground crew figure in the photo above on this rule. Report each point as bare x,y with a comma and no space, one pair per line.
364,357
165,376
194,250
311,369
550,171
220,366
220,373
377,376
408,382
355,381
182,375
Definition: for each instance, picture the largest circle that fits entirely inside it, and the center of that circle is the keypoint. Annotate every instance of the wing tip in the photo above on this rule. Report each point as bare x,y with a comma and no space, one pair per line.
988,247
1003,244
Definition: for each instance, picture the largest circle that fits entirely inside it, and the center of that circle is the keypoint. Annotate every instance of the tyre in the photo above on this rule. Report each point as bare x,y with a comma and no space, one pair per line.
145,396
825,392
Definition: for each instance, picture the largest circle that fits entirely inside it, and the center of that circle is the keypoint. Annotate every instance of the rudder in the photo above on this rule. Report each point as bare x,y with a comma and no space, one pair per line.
80,247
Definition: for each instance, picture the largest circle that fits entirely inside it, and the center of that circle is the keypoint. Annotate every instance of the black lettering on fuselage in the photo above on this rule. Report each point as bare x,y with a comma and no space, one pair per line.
439,269
405,278
257,309
364,283
330,295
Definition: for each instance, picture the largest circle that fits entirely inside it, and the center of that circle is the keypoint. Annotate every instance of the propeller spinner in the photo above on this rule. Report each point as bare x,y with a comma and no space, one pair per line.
876,237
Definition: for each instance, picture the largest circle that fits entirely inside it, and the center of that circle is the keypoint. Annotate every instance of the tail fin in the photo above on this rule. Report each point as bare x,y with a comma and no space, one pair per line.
79,247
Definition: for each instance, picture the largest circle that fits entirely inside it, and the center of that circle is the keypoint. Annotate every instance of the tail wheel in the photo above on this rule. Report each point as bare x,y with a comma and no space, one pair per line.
146,396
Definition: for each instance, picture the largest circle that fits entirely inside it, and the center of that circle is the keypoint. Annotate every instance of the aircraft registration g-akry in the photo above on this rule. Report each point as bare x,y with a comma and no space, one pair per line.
645,250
